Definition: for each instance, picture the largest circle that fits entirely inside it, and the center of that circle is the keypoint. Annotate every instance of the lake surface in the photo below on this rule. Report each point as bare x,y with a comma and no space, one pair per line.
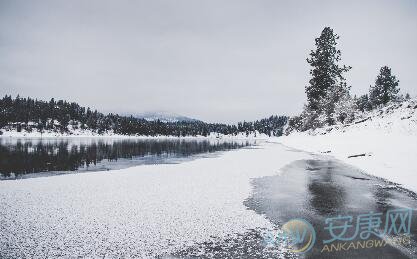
22,158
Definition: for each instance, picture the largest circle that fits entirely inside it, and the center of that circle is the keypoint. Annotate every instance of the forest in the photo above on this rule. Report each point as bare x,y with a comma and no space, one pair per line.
30,114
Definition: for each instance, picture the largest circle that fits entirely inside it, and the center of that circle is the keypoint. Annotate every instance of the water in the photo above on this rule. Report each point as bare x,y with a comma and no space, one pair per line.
21,158
317,189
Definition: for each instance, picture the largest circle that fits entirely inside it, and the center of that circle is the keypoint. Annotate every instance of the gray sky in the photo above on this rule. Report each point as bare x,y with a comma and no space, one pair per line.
216,60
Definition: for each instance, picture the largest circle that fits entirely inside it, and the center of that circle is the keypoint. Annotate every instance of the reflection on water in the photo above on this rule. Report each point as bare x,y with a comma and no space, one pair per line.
327,196
20,157
317,189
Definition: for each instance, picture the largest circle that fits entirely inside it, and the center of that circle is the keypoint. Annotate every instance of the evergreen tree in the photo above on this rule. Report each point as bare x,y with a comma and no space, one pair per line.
339,105
326,72
327,85
385,88
363,104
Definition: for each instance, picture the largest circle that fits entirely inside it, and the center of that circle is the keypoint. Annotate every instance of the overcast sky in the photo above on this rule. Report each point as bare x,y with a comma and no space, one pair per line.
213,60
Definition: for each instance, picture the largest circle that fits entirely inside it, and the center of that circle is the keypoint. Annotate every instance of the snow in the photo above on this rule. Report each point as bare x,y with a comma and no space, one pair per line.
139,212
78,133
387,137
163,116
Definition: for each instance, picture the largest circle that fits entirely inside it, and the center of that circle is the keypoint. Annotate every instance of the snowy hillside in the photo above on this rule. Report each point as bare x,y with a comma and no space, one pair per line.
394,118
382,142
163,116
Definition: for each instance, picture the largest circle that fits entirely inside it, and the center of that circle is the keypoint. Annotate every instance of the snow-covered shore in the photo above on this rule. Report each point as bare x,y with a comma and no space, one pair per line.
91,134
137,212
383,143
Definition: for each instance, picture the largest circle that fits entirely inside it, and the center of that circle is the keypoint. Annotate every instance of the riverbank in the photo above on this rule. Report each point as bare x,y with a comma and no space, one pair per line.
383,143
91,134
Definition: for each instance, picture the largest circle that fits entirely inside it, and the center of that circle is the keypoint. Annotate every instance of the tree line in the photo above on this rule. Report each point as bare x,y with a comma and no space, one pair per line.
61,116
329,100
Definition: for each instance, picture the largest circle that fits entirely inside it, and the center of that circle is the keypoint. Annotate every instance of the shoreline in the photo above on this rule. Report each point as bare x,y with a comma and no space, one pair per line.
375,152
50,135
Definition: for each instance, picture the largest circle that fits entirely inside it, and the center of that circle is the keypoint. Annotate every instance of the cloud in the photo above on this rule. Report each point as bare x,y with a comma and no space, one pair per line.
214,60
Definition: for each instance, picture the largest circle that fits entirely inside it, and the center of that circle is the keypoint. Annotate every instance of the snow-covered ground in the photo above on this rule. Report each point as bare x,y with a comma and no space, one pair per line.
90,134
137,212
385,139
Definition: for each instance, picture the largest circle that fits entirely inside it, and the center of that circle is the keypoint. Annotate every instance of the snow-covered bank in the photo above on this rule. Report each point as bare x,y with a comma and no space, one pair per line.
382,143
136,212
90,134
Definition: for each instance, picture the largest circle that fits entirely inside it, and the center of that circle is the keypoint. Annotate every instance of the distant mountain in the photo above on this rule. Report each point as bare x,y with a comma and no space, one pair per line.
163,117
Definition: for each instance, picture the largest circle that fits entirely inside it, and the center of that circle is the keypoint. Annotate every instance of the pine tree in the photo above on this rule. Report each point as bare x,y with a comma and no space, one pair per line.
339,105
327,84
326,72
363,104
385,88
